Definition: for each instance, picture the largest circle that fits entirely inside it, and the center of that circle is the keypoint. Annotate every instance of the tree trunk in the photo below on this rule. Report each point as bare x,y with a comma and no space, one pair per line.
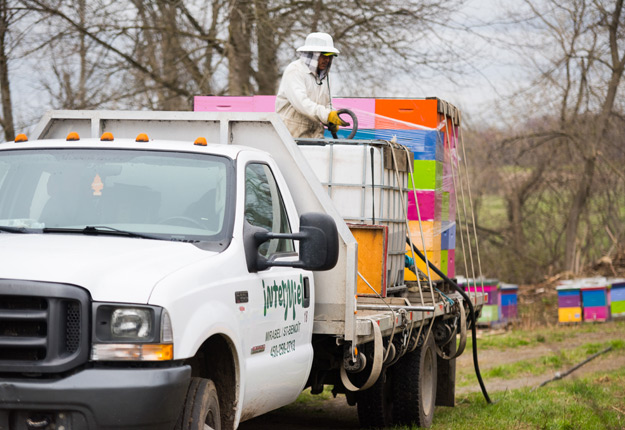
515,218
267,75
575,212
82,80
5,90
240,48
171,55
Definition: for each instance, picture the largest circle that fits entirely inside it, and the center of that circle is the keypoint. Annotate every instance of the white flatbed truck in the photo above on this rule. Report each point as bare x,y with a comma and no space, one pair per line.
148,282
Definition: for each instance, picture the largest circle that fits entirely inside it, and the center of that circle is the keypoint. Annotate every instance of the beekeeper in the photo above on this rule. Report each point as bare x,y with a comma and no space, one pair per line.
303,100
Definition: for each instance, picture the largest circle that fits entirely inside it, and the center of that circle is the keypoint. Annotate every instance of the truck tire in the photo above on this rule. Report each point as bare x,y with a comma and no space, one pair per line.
414,391
375,407
201,407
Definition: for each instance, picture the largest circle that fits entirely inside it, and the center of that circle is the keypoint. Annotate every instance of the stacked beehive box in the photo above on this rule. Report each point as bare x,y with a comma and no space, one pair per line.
509,302
429,128
569,302
617,297
595,299
491,311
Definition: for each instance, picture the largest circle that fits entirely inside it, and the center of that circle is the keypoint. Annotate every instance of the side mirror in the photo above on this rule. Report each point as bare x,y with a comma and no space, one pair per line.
318,249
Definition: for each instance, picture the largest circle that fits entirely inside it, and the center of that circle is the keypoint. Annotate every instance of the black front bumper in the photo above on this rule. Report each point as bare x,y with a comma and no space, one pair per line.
97,399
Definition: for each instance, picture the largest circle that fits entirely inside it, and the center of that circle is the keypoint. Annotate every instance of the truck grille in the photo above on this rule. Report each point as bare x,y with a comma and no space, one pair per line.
43,327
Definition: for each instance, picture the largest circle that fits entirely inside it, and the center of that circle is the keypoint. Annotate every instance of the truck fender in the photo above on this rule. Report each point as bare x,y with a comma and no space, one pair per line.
211,326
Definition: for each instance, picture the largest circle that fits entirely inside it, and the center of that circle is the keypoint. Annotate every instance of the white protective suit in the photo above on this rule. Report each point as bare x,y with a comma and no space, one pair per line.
303,101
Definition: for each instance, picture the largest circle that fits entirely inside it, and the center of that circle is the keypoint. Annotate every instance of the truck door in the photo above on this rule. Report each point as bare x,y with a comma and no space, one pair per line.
278,339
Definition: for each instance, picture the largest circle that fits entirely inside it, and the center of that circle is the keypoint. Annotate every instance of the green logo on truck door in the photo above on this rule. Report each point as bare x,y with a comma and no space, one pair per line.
284,295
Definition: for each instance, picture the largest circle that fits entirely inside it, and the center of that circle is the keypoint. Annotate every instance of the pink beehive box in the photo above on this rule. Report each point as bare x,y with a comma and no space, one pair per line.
223,104
451,263
427,205
363,108
264,103
595,313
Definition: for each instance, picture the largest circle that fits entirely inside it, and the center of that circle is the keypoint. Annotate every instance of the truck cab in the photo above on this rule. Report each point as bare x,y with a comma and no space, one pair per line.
141,277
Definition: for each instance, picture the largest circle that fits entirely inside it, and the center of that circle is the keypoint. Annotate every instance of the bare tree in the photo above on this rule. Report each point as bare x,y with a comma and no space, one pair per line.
563,196
588,74
174,49
6,17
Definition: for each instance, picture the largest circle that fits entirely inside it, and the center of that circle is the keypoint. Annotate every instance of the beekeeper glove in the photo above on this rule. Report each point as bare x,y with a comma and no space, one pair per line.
333,128
409,263
334,118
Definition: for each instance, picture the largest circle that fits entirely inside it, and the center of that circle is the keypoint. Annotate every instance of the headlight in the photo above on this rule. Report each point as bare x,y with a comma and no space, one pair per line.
131,323
126,332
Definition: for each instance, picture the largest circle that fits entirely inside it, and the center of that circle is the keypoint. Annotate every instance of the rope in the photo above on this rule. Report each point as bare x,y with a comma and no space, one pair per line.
404,206
389,307
456,178
477,248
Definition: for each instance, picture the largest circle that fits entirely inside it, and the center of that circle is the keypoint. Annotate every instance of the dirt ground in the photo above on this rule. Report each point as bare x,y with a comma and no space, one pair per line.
336,414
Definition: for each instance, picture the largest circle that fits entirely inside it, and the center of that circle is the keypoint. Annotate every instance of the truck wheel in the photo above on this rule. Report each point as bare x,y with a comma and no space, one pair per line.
414,393
201,407
375,405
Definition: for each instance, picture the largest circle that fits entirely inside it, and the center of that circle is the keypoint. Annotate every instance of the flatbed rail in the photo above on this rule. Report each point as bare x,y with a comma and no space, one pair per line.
398,313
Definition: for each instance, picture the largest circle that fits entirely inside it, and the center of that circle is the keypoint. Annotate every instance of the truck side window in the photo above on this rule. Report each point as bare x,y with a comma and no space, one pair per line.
264,208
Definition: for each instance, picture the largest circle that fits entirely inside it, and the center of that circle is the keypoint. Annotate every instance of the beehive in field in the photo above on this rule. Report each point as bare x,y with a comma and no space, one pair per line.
617,297
595,299
509,302
569,302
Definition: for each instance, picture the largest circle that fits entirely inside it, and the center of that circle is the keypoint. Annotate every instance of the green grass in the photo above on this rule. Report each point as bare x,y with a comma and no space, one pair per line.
552,335
314,399
593,402
560,360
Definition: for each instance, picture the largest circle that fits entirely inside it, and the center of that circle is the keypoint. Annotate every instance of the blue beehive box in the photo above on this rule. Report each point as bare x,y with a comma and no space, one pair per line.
509,301
343,133
425,144
448,235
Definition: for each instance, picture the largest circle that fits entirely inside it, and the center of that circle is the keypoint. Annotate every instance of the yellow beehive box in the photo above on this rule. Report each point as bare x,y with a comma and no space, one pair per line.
434,257
372,257
566,315
432,234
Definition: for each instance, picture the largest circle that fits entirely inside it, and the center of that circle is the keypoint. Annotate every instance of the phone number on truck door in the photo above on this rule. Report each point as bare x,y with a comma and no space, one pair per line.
283,348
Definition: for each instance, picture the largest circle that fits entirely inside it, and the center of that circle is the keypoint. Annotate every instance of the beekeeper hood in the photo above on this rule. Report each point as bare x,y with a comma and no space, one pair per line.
318,44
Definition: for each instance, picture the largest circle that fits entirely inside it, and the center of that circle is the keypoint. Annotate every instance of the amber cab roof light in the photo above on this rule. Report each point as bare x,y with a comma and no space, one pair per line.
72,136
21,138
107,136
201,141
142,137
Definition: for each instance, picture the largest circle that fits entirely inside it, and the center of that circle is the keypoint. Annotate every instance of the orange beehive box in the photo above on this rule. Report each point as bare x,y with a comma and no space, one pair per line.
411,111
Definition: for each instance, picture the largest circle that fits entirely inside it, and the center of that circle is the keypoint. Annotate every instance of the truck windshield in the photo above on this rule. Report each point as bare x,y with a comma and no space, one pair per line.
170,195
